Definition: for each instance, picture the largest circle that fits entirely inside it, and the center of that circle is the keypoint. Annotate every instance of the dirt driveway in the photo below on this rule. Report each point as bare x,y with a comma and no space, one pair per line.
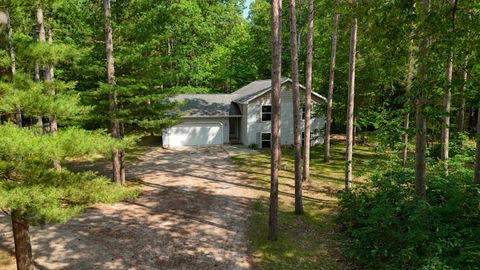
192,215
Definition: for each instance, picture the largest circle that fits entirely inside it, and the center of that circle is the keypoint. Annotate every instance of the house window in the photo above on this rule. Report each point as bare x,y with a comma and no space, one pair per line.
266,140
266,113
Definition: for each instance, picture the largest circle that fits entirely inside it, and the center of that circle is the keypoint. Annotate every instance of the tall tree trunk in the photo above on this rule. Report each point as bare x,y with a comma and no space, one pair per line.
23,247
37,72
48,76
275,133
331,83
308,93
11,49
420,121
114,124
13,65
297,139
461,111
477,154
350,104
447,100
408,88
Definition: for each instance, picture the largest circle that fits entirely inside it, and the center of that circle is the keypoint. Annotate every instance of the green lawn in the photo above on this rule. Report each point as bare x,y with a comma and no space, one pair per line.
311,241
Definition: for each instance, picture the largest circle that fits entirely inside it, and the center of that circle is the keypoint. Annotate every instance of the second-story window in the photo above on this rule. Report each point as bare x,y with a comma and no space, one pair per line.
266,113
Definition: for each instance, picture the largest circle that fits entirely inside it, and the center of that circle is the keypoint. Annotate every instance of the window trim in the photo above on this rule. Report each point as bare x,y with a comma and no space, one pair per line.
263,140
262,113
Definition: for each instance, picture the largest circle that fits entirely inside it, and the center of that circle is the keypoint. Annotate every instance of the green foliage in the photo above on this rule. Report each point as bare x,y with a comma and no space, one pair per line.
35,100
390,229
30,185
253,146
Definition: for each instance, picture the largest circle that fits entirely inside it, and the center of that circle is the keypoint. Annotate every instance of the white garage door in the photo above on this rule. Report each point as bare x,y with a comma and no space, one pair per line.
194,134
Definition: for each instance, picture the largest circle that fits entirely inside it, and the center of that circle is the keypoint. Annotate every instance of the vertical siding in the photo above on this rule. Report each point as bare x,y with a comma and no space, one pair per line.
255,125
244,125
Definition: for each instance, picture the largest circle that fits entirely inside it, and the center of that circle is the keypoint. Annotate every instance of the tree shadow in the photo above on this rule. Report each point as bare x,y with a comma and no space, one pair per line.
186,218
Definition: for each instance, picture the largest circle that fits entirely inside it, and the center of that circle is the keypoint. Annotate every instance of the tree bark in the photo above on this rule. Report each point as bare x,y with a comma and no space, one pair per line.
420,121
23,247
408,88
275,132
49,76
13,65
11,49
447,100
308,92
461,111
114,124
297,139
477,154
331,83
350,104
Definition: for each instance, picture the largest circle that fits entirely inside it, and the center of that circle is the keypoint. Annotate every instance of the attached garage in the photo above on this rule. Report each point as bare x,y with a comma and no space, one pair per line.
193,133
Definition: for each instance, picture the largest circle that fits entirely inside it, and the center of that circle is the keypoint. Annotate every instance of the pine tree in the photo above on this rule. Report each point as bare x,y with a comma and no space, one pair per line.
276,150
117,156
296,110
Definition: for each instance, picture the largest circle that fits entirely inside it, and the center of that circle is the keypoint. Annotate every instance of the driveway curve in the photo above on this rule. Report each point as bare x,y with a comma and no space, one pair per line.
192,214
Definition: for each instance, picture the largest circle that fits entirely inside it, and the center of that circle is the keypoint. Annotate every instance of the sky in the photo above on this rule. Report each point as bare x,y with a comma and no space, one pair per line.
245,11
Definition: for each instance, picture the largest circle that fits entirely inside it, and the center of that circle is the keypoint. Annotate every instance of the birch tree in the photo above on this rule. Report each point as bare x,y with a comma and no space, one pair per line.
477,153
308,92
461,109
420,121
447,100
275,132
408,88
331,83
350,102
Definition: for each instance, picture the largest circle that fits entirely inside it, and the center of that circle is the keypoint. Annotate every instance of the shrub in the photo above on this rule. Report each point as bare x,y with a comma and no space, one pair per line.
389,229
253,146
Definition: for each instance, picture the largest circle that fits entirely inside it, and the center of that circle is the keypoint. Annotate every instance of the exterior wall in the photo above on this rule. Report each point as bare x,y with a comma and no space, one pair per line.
224,120
255,125
244,125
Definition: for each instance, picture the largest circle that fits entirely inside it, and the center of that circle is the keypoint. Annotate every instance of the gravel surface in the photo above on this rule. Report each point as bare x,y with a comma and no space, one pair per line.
193,214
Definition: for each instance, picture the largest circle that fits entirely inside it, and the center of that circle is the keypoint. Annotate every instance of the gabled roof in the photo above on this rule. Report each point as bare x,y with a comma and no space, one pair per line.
252,90
226,105
258,88
208,105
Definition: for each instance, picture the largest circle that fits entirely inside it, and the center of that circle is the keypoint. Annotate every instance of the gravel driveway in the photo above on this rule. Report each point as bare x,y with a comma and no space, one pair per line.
192,215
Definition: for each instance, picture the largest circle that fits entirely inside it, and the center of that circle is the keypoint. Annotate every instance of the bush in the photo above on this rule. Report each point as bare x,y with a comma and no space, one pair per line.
390,229
253,146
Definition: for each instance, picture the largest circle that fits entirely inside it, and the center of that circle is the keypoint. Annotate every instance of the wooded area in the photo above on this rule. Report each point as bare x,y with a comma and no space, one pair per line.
88,77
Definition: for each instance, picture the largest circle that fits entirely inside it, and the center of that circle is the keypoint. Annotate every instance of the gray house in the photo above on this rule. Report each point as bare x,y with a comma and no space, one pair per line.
242,117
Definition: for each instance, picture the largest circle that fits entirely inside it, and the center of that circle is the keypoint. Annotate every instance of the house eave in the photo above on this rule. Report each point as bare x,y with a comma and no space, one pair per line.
210,116
262,92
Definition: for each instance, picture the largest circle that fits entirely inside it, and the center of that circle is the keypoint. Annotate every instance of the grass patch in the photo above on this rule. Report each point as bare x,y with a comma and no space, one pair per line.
310,241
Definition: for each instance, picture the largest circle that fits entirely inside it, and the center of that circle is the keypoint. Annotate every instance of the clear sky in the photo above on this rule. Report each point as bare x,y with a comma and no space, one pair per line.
245,12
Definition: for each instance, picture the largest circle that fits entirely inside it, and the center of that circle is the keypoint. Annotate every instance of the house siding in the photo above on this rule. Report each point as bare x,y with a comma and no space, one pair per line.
244,125
255,126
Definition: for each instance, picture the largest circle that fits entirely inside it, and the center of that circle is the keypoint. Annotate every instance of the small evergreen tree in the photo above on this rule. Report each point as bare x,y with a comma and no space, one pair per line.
34,193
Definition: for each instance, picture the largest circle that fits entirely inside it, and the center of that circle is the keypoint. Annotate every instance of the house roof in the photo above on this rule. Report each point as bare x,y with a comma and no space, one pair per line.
226,105
208,105
258,88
